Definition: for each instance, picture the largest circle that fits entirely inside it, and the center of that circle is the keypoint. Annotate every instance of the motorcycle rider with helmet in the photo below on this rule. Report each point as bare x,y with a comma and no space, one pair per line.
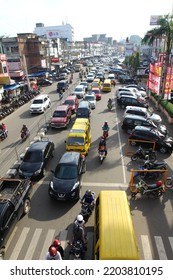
79,232
105,126
102,145
53,254
24,131
89,198
109,104
57,244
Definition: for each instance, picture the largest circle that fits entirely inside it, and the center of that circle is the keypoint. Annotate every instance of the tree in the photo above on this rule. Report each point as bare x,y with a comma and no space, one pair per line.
164,30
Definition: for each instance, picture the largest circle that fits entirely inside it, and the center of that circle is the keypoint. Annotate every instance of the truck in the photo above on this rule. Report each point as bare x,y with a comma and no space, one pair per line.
78,67
14,203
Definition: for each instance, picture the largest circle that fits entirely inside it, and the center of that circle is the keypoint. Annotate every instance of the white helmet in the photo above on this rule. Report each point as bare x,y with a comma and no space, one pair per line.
80,218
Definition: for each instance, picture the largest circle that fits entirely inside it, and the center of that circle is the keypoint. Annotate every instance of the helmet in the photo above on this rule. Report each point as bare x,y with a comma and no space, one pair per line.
52,251
88,192
147,157
56,242
80,218
159,183
106,122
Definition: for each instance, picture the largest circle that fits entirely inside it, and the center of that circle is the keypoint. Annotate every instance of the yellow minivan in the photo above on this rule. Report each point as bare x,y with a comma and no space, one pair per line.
107,85
114,235
96,84
79,137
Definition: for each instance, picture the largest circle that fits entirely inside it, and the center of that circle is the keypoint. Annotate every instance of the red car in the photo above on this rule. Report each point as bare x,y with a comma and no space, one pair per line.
97,92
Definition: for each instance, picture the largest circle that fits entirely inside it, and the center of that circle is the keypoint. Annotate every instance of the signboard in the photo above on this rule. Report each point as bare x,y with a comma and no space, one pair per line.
53,34
154,20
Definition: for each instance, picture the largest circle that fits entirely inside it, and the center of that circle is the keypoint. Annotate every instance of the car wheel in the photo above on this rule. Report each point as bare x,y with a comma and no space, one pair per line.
163,150
26,206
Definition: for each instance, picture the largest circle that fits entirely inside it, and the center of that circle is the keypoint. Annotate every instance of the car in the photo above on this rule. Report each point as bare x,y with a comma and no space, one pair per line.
125,79
100,76
130,121
96,83
79,91
130,90
138,91
61,116
85,84
97,92
73,102
62,85
40,104
145,112
66,181
124,101
92,99
90,77
125,93
36,158
44,82
112,78
141,133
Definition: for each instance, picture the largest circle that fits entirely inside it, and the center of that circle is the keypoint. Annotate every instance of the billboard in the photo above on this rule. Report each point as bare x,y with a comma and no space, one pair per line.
53,34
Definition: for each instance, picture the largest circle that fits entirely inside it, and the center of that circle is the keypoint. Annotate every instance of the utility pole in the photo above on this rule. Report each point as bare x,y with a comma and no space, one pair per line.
26,72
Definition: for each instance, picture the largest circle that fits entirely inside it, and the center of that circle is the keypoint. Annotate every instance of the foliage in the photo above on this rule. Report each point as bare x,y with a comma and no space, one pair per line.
167,105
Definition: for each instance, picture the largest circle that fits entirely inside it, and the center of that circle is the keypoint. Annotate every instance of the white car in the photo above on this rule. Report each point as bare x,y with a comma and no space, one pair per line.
79,91
40,104
91,98
85,84
90,78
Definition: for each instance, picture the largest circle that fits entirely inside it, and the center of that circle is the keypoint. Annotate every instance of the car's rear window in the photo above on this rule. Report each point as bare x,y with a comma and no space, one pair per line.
59,114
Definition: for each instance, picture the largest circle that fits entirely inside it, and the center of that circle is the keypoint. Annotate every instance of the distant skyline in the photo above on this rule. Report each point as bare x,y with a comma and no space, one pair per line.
115,19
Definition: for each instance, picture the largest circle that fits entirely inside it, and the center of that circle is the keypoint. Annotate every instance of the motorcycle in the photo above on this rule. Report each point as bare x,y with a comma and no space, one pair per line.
87,209
142,154
109,106
105,133
25,135
143,188
77,250
60,95
102,155
3,134
148,165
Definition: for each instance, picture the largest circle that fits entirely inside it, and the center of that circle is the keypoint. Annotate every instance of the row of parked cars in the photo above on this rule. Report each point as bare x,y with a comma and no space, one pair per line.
140,122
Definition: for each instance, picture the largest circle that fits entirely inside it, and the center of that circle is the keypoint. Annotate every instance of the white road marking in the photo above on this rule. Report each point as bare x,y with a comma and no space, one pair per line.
48,241
19,244
146,247
160,248
33,244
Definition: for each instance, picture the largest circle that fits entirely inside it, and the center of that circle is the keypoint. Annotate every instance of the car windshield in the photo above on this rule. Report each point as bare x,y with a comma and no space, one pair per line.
38,101
33,156
78,89
95,84
57,114
69,102
76,141
66,172
89,98
95,91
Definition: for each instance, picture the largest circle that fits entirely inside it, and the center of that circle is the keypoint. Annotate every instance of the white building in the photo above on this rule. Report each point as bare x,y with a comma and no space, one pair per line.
53,32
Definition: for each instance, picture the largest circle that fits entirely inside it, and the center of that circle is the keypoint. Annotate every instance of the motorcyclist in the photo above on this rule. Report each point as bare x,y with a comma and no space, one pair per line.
102,145
25,130
4,129
78,230
53,254
109,101
105,126
89,198
57,244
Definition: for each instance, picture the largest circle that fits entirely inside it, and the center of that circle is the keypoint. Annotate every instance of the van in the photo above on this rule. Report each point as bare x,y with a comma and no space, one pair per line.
62,85
83,110
96,84
107,85
73,102
114,235
131,121
61,117
79,137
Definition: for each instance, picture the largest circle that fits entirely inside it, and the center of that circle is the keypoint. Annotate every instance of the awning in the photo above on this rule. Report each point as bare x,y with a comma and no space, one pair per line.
11,87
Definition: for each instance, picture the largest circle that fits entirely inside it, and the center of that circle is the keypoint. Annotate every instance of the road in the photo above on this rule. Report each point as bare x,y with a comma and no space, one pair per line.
152,218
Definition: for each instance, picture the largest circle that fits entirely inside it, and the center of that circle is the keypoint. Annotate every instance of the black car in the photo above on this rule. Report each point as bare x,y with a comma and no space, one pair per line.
124,101
141,133
44,82
66,182
36,158
130,121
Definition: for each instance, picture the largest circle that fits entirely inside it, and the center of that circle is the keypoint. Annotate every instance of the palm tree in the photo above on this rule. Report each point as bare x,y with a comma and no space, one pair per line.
165,30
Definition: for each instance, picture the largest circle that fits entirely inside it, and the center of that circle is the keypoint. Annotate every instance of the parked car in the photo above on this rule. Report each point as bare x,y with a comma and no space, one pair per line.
40,104
91,98
145,112
61,116
124,101
66,181
79,91
36,158
44,82
141,133
130,121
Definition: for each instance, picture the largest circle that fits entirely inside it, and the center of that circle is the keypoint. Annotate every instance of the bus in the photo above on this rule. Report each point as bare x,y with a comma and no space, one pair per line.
114,236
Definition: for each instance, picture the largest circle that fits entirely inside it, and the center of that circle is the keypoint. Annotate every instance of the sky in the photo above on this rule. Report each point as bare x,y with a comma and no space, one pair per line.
116,18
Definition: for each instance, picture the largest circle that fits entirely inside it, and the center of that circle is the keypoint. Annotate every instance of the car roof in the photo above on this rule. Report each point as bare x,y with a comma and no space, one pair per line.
70,157
144,128
39,145
79,86
41,96
131,96
136,108
71,97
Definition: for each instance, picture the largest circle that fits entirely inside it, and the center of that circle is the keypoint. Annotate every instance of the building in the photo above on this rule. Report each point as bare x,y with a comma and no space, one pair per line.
64,31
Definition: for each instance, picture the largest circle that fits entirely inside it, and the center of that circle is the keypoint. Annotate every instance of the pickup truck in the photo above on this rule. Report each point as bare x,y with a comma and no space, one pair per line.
14,203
